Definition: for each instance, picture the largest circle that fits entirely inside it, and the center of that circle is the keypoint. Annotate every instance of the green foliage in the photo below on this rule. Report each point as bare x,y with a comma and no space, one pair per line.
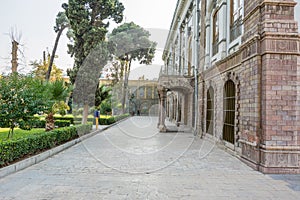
62,123
58,91
112,119
60,107
88,75
19,133
102,94
40,69
78,119
69,118
89,22
12,150
21,97
132,42
61,22
58,123
105,107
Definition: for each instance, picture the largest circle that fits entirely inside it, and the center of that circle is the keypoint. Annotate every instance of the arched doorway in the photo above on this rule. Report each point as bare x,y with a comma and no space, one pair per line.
229,111
210,111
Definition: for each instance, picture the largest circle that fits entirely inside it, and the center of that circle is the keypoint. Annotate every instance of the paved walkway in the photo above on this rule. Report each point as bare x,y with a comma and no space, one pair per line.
133,161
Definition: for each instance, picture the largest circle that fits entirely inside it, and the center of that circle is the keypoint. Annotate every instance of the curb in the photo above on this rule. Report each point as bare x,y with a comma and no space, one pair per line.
23,164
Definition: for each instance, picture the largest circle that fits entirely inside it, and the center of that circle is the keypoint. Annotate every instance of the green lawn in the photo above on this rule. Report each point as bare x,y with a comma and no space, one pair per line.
18,133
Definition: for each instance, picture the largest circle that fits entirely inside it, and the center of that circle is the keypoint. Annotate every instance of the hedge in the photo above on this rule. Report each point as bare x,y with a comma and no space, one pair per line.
103,120
68,118
112,119
58,123
15,149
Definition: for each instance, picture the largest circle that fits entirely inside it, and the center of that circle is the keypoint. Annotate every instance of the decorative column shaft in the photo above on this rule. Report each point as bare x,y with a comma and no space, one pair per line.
162,113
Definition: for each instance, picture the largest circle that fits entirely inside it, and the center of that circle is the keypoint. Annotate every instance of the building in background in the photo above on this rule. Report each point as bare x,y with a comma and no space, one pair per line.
141,95
233,75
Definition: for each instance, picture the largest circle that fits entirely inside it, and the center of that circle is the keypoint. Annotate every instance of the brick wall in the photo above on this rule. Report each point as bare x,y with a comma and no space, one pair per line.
266,71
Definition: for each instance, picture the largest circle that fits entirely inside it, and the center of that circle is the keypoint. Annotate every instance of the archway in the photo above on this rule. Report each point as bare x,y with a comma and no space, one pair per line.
210,111
229,111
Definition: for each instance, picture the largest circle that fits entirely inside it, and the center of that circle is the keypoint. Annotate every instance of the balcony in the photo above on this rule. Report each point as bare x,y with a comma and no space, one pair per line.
172,79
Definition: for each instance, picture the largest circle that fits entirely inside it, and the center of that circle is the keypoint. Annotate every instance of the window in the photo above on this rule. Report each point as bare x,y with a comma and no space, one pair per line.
149,92
142,92
235,19
216,31
229,111
210,111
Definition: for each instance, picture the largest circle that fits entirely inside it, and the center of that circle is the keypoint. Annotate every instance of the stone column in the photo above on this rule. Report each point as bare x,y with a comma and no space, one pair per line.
162,113
178,110
159,110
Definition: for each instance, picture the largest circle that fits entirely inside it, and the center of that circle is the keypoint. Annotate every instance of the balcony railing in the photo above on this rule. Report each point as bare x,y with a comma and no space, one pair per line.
168,71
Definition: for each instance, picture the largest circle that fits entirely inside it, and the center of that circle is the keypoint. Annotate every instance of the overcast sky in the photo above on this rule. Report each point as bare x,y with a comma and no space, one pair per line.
35,19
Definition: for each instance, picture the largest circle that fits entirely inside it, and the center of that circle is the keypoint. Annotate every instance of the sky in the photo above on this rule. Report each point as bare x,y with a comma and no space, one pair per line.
34,21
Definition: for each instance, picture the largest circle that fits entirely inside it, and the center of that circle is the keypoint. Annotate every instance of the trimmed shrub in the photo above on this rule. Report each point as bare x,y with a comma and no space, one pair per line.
40,124
12,150
112,119
58,123
62,123
68,118
77,120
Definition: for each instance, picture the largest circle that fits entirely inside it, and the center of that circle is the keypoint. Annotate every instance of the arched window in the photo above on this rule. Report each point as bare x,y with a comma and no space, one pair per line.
216,31
210,111
235,19
229,111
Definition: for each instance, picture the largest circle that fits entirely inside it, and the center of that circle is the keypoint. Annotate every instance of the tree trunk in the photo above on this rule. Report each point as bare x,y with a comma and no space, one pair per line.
14,60
124,95
85,114
126,77
10,132
50,122
48,74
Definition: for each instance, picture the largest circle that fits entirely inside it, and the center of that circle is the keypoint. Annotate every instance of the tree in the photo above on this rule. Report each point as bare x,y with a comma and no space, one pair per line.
40,70
105,107
57,93
21,97
131,42
87,79
114,71
61,24
15,41
89,20
102,93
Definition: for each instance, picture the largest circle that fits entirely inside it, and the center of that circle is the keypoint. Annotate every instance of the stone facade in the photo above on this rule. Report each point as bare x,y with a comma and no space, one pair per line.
248,72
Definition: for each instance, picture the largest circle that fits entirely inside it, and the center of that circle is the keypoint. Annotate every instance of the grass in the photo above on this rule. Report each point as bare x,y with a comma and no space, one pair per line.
19,133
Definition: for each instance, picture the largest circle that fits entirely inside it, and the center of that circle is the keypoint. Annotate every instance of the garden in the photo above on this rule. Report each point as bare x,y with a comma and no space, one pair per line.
33,117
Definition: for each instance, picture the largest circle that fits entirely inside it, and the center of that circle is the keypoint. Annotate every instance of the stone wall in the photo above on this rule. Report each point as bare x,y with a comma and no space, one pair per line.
266,74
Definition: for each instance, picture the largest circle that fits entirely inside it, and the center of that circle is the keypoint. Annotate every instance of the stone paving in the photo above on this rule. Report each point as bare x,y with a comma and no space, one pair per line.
132,160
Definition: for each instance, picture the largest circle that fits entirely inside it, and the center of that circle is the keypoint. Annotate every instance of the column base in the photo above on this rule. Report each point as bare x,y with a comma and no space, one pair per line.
162,128
272,160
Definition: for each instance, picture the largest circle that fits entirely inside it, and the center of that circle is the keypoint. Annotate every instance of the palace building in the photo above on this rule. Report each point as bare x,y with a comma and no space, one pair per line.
232,74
